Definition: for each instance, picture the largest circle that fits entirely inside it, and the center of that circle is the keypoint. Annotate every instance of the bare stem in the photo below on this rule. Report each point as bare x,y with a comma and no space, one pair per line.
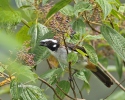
103,68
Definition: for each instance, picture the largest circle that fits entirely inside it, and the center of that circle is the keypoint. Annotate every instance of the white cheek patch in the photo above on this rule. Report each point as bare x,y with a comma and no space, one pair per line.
54,45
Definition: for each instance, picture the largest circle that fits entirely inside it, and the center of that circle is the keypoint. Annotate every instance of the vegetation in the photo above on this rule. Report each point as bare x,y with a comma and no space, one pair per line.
97,25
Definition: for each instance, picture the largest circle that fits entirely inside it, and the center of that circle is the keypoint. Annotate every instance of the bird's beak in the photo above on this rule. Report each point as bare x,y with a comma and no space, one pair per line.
43,43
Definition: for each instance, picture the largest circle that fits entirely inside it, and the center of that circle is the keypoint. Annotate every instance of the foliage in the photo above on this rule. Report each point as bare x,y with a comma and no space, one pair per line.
95,25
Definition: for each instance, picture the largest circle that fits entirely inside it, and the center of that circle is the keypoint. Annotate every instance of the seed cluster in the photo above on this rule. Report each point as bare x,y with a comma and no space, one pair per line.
24,56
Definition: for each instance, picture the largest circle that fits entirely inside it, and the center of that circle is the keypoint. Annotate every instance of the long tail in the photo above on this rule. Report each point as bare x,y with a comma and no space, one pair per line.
103,77
100,74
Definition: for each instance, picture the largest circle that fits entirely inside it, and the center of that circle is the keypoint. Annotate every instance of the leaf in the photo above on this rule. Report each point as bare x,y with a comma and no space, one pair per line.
80,75
5,4
65,86
21,3
21,72
106,7
57,7
25,92
67,10
119,66
72,57
115,40
117,14
1,69
52,75
122,9
22,34
91,53
33,33
81,52
52,72
15,90
9,18
81,7
93,37
79,26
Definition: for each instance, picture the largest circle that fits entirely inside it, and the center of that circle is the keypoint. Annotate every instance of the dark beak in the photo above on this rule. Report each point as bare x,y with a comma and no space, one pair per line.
42,43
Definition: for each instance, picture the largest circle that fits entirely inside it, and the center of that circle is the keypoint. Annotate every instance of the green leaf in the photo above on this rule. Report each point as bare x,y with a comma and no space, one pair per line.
25,92
52,72
21,72
52,75
65,86
67,10
91,53
57,7
33,33
1,69
93,37
21,3
72,57
119,66
15,90
106,7
9,18
115,40
117,14
81,52
81,7
80,75
5,4
79,26
22,34
122,9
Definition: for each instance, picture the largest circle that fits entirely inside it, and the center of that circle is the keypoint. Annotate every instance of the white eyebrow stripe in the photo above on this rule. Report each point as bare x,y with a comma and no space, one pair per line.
45,40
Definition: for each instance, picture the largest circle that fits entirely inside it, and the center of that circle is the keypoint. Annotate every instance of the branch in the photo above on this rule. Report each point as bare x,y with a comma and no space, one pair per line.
70,71
50,87
78,88
119,84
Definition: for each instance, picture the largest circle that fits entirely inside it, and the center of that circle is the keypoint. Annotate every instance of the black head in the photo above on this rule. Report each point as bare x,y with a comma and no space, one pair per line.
50,43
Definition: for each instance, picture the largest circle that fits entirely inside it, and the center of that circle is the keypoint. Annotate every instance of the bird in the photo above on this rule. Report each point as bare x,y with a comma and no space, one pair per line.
60,53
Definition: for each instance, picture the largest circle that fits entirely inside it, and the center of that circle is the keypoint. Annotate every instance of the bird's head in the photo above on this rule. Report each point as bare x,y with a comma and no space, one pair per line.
50,43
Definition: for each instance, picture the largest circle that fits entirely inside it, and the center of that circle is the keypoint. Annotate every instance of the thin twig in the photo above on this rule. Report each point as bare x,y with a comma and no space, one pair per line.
103,68
86,19
50,87
49,64
4,74
113,90
70,71
66,93
70,76
78,88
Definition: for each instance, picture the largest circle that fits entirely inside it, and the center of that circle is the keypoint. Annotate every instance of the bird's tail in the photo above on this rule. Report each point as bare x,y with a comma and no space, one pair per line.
103,77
